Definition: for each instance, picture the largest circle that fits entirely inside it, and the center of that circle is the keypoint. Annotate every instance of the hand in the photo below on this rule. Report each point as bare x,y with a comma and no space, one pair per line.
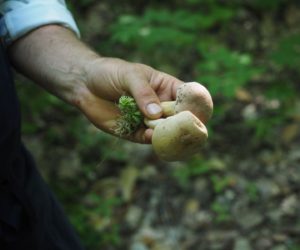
107,79
55,59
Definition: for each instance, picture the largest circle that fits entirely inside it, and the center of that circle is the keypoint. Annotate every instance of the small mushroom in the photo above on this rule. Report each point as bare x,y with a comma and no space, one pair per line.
190,96
177,137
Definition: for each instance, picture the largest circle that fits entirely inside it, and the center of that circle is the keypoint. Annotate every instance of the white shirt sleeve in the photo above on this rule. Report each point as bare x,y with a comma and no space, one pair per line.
18,17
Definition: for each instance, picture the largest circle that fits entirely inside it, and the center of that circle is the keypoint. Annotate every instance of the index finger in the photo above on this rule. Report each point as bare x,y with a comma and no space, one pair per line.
165,86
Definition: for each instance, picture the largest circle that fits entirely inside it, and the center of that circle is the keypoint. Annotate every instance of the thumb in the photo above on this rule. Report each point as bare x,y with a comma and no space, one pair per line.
146,99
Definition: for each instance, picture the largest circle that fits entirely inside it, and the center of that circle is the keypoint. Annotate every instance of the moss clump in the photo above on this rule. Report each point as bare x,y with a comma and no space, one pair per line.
131,118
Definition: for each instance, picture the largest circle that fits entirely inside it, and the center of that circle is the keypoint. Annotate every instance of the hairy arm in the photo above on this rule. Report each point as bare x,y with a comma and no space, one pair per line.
54,58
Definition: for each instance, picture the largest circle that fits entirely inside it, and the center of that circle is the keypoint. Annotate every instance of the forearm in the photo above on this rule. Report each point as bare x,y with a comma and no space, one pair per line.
53,57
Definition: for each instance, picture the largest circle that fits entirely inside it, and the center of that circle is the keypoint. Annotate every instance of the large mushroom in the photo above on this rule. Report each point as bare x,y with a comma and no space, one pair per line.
182,133
190,96
177,137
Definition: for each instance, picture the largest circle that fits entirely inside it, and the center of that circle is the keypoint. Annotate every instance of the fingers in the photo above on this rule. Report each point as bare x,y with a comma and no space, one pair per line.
138,86
143,136
149,87
105,115
165,85
147,100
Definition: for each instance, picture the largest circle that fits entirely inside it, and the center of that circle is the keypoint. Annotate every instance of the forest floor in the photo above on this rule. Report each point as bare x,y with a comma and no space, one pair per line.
249,202
230,200
241,193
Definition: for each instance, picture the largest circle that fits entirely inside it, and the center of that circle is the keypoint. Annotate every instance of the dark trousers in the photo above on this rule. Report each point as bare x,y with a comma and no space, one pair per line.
30,216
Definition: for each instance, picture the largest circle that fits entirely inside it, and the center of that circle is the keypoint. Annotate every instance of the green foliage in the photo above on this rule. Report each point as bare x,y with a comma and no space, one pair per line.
223,70
197,166
165,28
40,103
287,53
293,246
221,211
268,122
267,5
220,183
95,221
144,34
282,91
265,127
252,191
161,31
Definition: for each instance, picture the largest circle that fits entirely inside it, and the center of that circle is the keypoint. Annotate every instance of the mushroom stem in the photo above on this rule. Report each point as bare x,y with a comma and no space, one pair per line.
168,108
152,123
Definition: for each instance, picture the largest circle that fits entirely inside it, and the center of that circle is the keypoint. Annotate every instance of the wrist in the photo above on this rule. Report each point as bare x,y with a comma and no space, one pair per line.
53,57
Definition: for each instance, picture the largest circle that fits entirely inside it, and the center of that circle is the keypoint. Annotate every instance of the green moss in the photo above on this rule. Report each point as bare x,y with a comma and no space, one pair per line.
131,118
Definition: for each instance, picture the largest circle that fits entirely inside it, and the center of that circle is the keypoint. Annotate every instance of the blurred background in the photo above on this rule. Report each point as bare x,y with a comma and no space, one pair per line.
242,191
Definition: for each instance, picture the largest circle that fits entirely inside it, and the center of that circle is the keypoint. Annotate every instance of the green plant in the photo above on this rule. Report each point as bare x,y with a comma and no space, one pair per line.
264,127
131,118
161,31
165,27
224,70
221,183
95,220
266,5
287,52
222,212
197,166
252,191
192,169
294,246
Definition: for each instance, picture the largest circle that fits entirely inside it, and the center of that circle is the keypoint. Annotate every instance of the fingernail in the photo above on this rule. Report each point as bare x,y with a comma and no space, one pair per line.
153,109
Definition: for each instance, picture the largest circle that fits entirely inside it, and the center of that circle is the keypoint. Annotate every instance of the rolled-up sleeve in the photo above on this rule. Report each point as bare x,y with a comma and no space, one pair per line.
18,17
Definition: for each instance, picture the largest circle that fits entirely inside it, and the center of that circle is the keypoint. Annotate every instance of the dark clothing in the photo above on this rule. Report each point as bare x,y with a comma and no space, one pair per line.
30,216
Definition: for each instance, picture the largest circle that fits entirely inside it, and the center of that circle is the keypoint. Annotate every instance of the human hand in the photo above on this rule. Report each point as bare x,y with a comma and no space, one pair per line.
62,64
108,78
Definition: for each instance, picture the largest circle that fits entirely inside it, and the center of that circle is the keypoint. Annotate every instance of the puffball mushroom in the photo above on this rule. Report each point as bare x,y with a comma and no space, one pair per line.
190,96
182,133
177,137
